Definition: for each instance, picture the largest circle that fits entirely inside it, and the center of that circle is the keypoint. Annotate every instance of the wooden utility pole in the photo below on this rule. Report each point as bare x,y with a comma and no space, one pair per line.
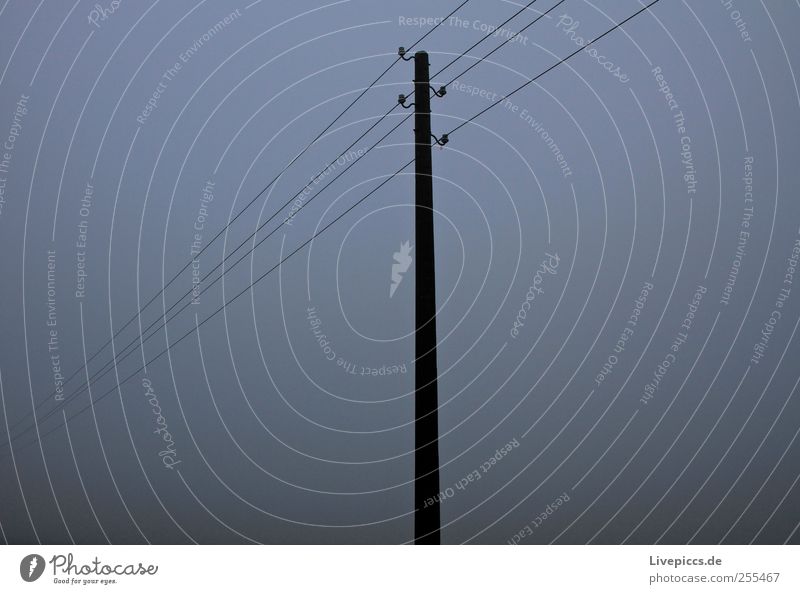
426,400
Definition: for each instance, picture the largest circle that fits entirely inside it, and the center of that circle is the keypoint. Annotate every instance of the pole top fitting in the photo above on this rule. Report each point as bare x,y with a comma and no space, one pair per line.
441,92
441,141
402,53
401,99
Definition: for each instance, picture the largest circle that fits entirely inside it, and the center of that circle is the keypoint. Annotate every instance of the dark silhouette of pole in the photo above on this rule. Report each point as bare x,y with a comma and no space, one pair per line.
426,401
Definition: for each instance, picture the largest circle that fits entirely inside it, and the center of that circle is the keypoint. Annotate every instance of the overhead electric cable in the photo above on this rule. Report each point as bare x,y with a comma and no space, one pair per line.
177,274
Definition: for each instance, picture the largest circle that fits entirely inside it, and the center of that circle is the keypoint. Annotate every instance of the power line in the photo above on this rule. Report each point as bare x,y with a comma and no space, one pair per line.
509,40
481,40
541,74
618,25
249,204
140,311
244,242
109,365
218,310
143,337
436,26
476,44
122,354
